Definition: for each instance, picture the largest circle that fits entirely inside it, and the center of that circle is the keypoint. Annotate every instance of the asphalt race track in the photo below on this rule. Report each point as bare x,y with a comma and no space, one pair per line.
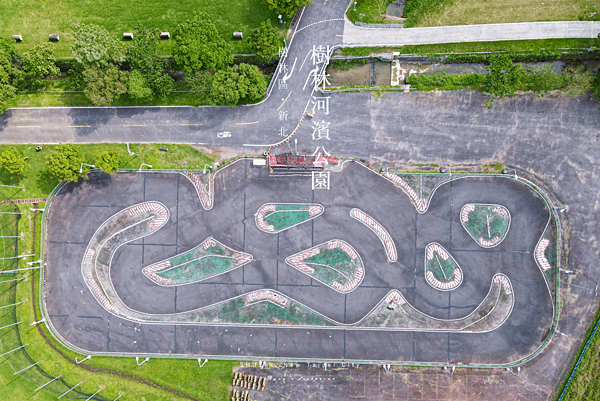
240,189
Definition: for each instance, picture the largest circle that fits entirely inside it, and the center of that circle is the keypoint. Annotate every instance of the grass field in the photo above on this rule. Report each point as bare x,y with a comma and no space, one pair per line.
38,184
585,385
35,20
469,12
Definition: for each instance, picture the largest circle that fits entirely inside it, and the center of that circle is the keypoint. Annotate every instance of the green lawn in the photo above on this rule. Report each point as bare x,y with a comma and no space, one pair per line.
50,99
469,12
586,382
374,11
38,184
35,20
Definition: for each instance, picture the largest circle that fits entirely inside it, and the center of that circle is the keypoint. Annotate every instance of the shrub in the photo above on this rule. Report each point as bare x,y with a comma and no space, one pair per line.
63,163
108,161
12,160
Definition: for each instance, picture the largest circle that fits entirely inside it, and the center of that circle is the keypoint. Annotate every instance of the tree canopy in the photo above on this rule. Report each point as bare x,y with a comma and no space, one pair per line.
265,40
240,82
12,160
7,91
148,76
103,85
92,44
39,63
287,8
108,161
198,45
64,162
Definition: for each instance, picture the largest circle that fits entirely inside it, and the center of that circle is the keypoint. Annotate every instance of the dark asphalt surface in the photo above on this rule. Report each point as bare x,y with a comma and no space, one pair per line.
241,189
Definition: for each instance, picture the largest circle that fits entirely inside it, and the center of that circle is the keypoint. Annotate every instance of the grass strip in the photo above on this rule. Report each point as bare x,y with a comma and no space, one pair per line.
78,99
538,47
284,219
585,384
197,270
38,183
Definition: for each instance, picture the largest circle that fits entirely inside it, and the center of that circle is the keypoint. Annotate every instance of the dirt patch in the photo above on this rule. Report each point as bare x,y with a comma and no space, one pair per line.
382,74
371,382
355,76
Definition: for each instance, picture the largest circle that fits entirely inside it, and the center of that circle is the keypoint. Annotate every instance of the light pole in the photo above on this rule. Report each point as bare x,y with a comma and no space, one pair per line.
144,164
506,170
85,164
129,151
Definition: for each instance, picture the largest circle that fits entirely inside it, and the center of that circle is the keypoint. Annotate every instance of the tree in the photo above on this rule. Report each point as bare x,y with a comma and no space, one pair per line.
92,44
287,8
198,45
103,85
144,48
7,46
225,89
253,82
151,78
108,161
504,77
137,86
240,82
64,162
265,40
38,63
12,160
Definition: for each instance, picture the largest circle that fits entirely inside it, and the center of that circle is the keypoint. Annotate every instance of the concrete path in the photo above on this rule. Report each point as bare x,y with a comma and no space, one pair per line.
362,36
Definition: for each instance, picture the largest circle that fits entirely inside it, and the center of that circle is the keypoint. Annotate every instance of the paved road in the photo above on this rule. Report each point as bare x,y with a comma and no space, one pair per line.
362,36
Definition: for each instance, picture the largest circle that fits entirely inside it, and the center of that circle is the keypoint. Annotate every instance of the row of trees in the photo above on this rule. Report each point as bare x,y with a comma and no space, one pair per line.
105,67
63,163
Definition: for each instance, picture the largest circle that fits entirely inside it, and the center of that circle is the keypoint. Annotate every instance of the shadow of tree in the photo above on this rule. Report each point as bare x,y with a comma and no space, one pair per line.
46,182
10,178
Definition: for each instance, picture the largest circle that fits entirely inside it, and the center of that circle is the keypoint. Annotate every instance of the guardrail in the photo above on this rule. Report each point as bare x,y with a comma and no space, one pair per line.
391,26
